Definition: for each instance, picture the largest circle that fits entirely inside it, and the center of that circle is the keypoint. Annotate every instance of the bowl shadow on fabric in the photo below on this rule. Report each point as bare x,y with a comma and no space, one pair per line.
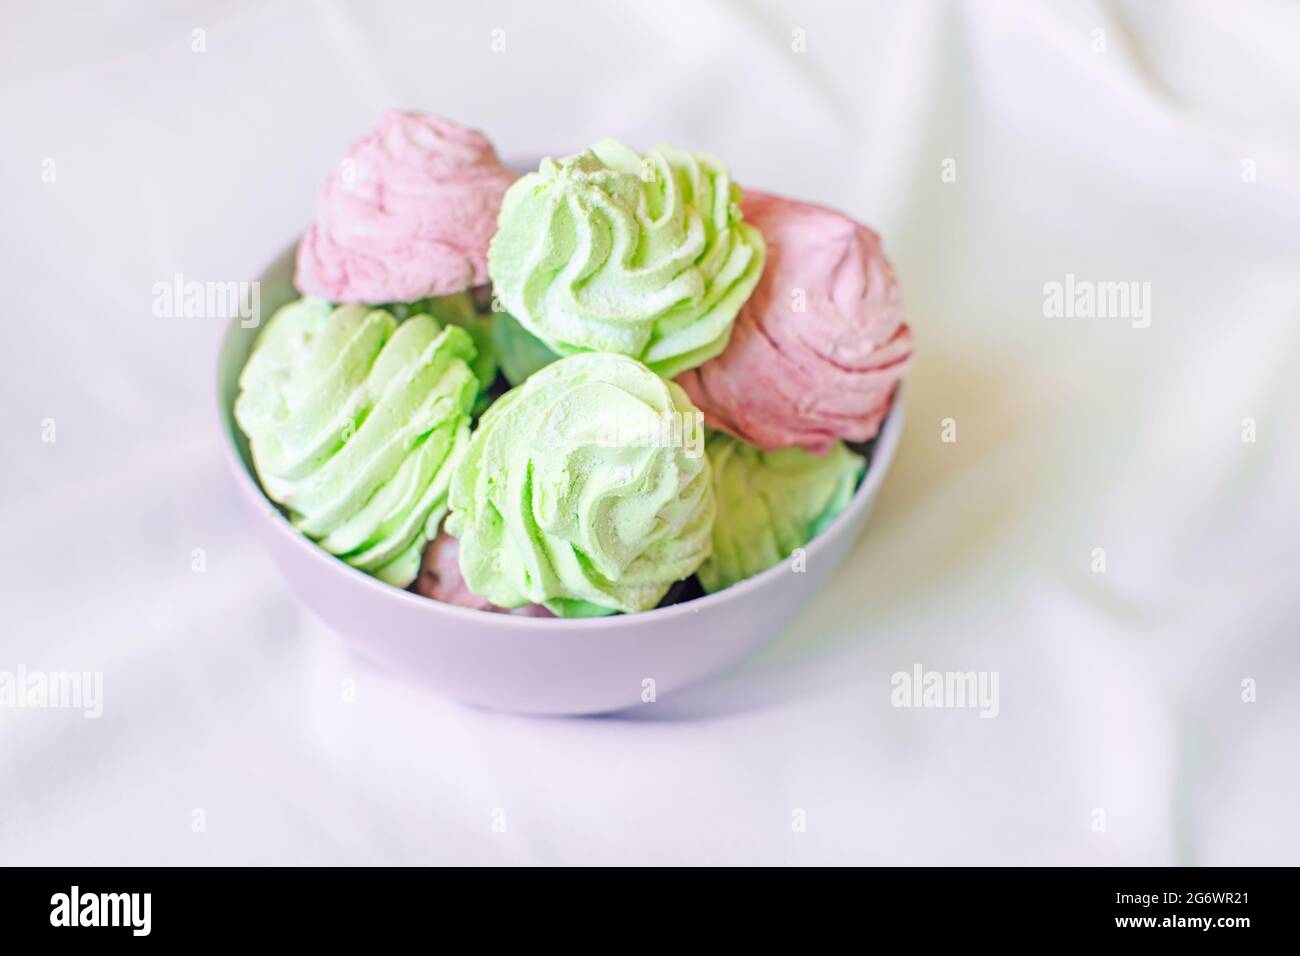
522,664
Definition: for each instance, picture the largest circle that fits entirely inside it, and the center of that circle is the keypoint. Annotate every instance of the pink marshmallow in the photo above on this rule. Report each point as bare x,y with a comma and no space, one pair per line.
407,213
818,349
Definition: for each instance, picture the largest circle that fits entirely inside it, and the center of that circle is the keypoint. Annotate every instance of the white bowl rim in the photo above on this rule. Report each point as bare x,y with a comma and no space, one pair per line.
882,455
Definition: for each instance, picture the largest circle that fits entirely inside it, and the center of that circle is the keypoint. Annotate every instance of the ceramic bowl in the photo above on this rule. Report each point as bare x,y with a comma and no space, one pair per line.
525,664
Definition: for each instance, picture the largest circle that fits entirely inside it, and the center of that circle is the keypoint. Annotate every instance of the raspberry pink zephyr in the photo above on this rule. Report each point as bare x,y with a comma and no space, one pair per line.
817,350
407,213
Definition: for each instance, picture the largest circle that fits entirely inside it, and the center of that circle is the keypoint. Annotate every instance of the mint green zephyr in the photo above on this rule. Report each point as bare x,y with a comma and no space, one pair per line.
770,503
611,251
356,422
578,491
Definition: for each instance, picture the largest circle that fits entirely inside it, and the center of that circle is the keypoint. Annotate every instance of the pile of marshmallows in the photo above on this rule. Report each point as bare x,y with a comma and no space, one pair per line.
533,445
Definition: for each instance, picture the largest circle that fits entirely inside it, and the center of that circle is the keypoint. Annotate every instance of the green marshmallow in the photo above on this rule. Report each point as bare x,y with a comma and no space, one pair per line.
458,310
770,503
520,352
583,490
610,251
355,422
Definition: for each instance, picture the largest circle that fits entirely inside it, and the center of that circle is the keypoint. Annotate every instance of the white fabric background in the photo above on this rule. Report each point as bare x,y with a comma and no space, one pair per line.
1119,691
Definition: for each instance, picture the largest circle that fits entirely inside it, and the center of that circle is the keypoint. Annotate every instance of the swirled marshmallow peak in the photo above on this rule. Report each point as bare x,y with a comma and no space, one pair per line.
407,213
819,348
355,423
610,251
585,489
